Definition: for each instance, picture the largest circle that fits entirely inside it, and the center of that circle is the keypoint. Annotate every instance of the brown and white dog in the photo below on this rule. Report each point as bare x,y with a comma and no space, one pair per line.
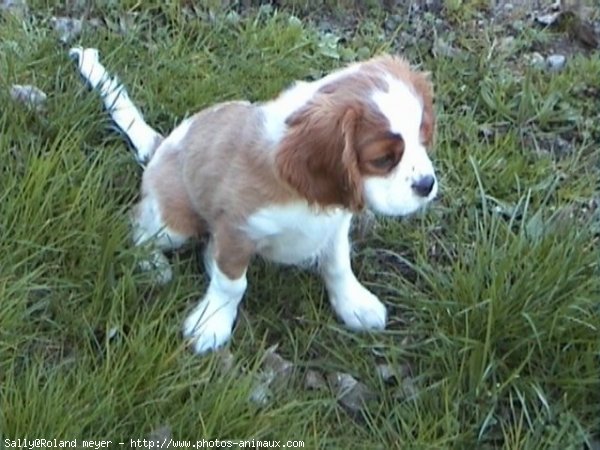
281,179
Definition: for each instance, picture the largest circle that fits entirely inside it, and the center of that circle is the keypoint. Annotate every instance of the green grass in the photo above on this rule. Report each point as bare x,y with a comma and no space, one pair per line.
493,291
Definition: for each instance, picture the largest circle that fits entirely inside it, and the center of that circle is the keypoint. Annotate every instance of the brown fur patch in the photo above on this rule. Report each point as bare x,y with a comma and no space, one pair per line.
420,82
317,156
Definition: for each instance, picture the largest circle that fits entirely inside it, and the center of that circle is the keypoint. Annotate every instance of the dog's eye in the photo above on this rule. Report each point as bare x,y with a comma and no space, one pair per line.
384,162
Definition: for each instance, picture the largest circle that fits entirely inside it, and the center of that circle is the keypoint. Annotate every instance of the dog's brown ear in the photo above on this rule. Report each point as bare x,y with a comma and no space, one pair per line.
317,156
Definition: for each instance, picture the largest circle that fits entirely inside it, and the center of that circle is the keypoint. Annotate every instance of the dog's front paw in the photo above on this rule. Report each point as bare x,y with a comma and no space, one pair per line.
358,308
209,326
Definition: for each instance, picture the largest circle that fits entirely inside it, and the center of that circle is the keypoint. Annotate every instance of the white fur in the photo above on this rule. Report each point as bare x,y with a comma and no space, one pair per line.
290,234
171,143
393,195
293,234
148,228
147,225
358,308
116,100
296,234
292,99
209,325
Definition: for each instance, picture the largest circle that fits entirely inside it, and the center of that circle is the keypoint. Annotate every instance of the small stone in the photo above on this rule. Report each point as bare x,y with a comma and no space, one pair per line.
275,363
517,25
112,333
276,372
16,7
295,22
548,19
407,390
507,44
232,17
313,380
261,394
226,360
442,49
363,53
486,130
266,9
67,28
392,373
392,22
350,392
325,26
556,62
95,22
30,96
537,60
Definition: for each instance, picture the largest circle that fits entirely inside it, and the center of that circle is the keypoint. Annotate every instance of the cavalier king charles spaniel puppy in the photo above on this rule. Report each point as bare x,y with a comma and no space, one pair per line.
281,179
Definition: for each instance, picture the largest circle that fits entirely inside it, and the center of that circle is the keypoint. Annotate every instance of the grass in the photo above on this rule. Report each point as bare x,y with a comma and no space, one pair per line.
492,292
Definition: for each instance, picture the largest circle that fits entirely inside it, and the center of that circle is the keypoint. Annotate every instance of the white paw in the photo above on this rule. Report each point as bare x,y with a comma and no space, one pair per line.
359,309
88,62
208,326
158,265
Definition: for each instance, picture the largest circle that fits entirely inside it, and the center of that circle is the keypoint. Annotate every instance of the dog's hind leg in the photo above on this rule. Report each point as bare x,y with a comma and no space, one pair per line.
144,139
163,218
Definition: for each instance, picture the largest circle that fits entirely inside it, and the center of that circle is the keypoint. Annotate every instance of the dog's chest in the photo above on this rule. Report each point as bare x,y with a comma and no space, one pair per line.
294,234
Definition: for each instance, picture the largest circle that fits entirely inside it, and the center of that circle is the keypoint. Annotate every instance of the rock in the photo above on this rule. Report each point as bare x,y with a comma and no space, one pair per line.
232,17
517,25
30,96
536,60
351,393
392,373
548,19
392,22
441,49
112,333
275,363
67,28
556,62
261,393
226,361
295,22
266,9
507,44
276,372
328,45
314,381
407,390
15,7
363,53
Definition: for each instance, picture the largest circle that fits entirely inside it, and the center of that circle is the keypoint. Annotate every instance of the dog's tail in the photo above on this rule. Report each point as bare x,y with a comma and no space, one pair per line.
143,138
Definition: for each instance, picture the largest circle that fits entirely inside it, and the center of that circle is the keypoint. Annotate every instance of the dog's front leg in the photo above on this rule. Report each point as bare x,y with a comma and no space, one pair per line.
210,323
358,308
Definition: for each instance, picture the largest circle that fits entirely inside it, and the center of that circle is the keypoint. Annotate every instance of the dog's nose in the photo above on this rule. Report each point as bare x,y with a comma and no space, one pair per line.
424,185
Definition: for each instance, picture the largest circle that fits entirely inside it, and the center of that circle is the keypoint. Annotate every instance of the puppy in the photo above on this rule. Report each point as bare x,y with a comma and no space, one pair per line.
281,179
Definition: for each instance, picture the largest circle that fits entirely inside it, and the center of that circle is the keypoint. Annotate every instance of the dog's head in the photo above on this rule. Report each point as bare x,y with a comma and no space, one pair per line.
362,141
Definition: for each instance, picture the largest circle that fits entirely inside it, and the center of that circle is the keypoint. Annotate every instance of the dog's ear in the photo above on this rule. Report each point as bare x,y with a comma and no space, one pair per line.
317,156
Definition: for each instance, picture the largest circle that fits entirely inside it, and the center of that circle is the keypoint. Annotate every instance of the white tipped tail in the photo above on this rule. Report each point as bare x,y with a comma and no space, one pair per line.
144,139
